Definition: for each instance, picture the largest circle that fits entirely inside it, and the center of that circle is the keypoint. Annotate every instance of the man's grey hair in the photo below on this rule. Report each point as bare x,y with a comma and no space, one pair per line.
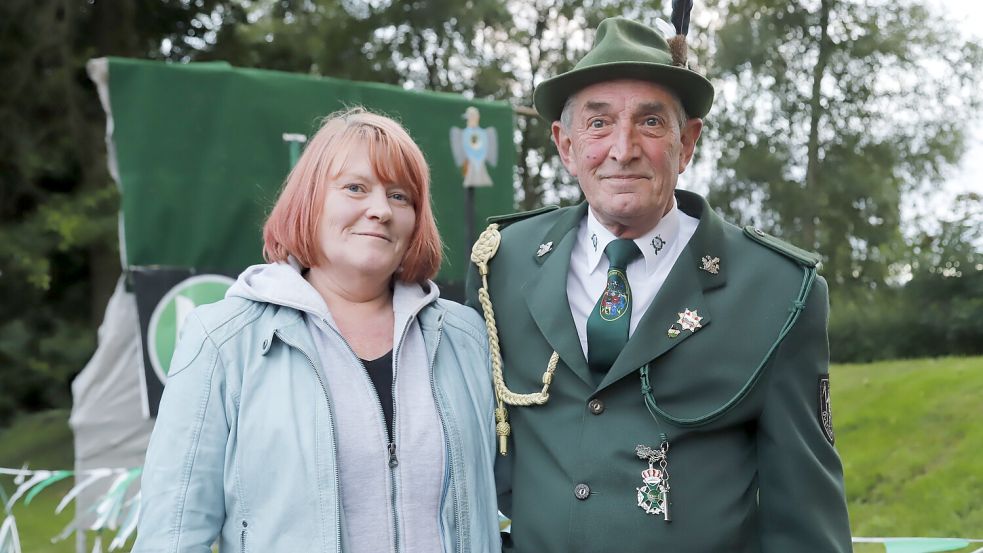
566,115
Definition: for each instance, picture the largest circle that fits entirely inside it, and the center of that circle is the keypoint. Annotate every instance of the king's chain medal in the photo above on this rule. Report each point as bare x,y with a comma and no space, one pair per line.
653,496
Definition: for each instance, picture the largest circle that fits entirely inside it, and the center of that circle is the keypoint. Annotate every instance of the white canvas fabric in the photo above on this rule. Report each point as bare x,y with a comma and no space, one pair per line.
107,414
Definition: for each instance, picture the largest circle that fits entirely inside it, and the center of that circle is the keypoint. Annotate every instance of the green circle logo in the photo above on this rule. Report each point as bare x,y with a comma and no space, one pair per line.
169,315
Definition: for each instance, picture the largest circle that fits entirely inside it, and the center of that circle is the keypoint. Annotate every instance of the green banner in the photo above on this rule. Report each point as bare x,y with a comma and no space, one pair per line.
202,149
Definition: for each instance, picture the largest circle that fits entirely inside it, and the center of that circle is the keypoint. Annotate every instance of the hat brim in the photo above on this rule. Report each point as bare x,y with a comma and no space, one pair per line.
694,90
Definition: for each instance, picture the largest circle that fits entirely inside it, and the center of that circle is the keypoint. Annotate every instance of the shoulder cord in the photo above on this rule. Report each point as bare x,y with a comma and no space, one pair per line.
658,413
481,253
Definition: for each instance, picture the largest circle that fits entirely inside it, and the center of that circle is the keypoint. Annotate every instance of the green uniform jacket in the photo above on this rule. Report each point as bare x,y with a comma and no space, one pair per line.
759,477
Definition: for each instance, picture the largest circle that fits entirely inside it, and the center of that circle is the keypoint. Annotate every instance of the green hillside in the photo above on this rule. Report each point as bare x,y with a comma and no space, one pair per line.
909,433
911,440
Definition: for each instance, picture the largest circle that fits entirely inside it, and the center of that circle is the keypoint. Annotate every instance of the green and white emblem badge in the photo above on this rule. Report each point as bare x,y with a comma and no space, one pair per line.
169,315
825,413
653,496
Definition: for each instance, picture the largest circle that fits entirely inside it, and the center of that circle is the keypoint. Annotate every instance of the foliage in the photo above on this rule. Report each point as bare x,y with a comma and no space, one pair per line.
938,312
830,111
479,48
933,315
546,38
58,258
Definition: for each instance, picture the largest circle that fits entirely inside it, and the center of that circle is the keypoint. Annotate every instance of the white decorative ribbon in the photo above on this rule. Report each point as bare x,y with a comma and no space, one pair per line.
108,508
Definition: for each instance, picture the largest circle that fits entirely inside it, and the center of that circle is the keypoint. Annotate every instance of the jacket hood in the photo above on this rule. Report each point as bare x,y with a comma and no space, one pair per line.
283,284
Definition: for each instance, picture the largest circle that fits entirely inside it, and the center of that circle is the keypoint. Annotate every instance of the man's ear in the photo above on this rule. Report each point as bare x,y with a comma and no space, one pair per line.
564,146
688,136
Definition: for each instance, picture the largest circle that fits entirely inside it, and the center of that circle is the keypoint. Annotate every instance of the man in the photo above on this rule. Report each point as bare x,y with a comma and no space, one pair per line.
685,408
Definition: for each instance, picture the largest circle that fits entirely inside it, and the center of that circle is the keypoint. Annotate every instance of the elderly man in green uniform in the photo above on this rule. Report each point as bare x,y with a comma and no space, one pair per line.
662,375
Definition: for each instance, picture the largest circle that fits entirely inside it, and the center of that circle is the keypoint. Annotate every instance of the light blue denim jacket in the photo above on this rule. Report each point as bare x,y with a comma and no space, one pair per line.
264,478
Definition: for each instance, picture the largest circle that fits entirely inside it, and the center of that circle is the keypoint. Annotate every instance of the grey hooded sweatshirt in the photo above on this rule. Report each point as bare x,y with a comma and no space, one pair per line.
390,493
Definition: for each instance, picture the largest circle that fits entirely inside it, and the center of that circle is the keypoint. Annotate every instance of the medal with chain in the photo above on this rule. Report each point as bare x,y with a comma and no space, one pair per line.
653,495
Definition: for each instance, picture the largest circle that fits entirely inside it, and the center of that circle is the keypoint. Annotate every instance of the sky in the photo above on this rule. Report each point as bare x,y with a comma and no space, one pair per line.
968,177
918,213
970,14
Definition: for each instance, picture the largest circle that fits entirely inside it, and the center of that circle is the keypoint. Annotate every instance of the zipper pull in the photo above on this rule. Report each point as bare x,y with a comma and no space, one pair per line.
392,456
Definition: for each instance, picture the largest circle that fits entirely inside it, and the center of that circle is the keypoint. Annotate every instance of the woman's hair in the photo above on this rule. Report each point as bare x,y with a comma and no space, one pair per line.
292,228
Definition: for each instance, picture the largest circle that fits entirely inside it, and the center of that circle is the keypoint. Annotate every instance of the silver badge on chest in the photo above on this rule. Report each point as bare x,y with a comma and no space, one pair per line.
653,495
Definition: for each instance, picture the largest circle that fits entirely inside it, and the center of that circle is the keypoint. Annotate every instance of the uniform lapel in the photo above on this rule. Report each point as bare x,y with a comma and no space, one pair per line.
683,289
546,293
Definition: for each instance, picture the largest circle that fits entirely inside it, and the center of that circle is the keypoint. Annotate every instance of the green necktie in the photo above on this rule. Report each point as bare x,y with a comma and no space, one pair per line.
607,325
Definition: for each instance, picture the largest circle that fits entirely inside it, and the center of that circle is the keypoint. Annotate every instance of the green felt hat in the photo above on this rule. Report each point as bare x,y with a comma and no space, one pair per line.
626,49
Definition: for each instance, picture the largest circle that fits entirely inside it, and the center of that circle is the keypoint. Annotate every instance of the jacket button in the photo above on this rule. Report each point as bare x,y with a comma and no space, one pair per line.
595,406
581,491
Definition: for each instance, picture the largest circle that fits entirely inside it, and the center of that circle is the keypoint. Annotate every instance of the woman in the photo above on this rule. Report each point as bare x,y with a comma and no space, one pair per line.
331,402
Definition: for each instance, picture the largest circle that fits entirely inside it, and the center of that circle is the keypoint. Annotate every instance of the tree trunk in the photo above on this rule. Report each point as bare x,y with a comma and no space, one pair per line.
113,22
812,212
530,177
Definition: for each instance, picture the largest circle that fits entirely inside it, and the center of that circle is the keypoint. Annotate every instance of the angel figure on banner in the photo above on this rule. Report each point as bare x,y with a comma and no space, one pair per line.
473,147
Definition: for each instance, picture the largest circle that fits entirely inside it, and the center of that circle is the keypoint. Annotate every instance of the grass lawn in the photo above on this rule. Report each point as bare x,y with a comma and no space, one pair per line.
910,437
44,440
909,433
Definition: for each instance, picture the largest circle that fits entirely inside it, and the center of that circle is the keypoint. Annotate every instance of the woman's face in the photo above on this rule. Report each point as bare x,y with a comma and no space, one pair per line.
366,224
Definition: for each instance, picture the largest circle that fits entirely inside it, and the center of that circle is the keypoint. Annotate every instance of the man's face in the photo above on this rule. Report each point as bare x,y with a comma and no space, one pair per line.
626,145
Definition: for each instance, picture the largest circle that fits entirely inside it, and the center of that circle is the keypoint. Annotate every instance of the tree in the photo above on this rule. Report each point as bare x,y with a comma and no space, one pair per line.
828,111
546,38
946,288
480,48
935,311
58,244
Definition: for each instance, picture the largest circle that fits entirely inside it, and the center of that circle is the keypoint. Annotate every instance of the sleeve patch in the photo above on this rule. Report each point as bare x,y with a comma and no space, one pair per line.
825,416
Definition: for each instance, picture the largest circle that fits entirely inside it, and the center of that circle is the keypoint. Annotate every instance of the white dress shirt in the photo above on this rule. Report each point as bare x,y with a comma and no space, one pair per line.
587,278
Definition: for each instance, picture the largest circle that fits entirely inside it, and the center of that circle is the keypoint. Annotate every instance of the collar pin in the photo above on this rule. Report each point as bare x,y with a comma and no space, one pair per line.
657,244
711,264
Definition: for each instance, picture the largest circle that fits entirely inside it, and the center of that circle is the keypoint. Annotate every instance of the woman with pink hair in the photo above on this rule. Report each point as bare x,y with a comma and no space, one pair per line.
332,401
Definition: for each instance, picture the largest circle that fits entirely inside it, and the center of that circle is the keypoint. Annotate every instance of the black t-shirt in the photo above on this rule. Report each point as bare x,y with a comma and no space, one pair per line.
381,374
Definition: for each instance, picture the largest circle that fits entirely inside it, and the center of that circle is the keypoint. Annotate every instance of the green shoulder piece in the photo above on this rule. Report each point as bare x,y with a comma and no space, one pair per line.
505,220
802,257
